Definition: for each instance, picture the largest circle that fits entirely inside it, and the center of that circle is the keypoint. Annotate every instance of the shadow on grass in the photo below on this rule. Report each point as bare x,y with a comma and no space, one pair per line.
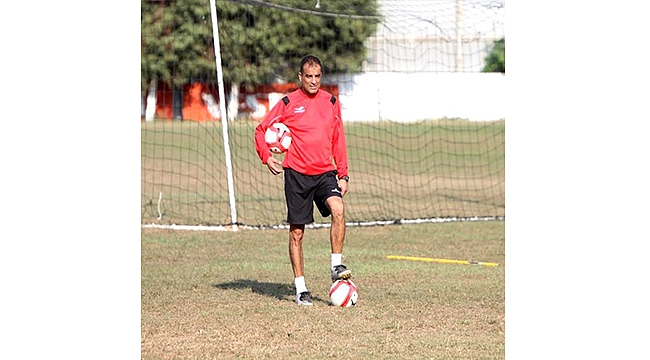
274,290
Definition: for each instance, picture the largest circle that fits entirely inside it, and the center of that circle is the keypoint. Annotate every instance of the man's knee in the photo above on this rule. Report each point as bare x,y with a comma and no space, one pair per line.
336,206
296,232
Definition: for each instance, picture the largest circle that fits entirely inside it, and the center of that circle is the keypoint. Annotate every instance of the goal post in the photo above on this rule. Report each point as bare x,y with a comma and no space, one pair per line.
224,118
416,153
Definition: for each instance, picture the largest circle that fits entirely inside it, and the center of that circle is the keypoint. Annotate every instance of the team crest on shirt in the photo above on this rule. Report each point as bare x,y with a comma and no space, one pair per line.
299,110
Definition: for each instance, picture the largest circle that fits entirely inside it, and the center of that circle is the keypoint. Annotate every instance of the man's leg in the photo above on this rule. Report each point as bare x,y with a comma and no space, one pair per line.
337,237
295,249
337,231
296,233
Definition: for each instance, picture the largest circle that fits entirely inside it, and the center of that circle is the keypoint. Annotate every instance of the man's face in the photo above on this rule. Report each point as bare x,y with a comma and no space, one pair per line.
310,78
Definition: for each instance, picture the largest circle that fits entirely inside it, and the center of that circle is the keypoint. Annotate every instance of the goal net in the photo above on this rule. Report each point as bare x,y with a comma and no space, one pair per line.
409,160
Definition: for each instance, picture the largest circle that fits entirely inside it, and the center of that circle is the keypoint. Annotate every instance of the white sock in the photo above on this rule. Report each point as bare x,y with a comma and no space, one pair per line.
300,284
336,259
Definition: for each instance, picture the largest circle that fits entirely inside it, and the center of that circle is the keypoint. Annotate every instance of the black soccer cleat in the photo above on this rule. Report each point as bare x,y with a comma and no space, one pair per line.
340,272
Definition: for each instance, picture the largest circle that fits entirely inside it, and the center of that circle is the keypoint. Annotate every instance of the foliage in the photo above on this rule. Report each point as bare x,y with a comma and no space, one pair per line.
258,44
176,41
496,60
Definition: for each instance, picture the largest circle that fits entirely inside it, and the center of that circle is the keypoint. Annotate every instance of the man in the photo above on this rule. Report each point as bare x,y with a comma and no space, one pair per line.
314,118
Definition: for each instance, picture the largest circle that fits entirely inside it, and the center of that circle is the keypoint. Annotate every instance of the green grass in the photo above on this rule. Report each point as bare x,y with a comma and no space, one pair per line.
229,295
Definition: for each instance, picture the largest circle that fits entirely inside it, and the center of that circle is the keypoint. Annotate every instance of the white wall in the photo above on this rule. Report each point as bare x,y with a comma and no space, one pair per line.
407,97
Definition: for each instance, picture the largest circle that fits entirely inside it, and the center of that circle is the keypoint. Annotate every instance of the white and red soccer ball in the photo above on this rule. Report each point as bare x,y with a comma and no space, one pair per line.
278,138
344,293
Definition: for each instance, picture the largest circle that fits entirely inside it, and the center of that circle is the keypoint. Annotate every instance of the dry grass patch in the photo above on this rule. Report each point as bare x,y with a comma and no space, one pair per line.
225,295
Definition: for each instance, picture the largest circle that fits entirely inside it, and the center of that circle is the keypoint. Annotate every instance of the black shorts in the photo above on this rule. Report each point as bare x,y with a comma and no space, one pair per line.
302,191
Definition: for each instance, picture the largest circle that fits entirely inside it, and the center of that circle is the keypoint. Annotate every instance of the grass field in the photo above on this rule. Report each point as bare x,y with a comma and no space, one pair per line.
229,295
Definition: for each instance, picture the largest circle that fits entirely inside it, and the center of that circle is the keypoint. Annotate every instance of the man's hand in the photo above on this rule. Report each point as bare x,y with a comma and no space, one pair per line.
274,165
344,187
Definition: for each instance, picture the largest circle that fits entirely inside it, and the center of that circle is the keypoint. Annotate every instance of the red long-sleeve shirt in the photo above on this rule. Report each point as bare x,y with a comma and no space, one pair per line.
317,135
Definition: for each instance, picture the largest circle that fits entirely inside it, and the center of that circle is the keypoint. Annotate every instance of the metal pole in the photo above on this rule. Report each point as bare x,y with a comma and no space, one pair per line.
224,117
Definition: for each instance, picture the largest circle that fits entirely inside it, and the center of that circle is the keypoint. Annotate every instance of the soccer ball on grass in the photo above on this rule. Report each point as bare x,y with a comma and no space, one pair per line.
344,293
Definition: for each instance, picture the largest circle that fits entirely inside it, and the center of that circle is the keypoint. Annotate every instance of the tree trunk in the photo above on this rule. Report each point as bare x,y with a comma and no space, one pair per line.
150,110
177,103
233,102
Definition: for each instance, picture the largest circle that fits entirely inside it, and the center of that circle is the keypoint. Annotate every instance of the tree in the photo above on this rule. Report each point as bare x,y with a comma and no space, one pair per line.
176,39
174,46
259,44
262,44
496,60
